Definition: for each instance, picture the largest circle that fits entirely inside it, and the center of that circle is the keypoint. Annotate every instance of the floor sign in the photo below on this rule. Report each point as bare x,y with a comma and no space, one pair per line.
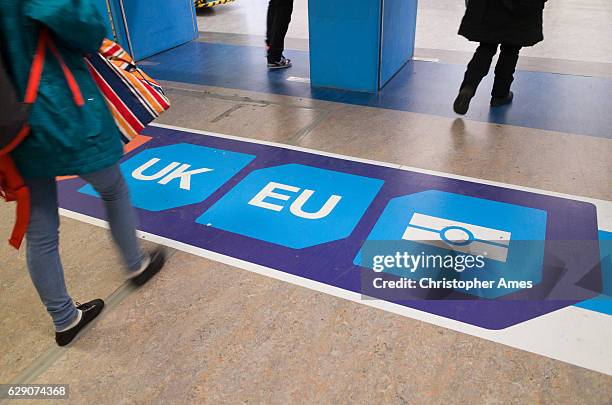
312,216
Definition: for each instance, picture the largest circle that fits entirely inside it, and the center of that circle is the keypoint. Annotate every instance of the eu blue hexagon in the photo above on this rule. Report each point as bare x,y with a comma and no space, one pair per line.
509,237
177,175
294,205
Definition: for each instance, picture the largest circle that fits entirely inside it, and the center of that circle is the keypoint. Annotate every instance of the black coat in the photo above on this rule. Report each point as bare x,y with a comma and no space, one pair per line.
515,22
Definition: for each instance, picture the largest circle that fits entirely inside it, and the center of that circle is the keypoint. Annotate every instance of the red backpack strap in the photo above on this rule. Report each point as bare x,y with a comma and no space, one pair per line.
38,63
36,70
13,188
22,221
15,141
32,88
72,83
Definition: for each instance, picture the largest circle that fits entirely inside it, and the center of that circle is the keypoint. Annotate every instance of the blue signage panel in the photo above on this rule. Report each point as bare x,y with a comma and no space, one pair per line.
178,175
293,205
509,237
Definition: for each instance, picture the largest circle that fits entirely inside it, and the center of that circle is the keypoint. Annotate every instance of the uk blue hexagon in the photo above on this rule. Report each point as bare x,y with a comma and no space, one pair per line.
508,238
177,175
294,205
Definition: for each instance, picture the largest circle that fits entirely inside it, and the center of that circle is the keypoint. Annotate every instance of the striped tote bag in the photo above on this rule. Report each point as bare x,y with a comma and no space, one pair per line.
132,96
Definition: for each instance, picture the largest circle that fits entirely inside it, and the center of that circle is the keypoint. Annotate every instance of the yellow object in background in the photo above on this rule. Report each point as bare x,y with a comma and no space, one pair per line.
210,3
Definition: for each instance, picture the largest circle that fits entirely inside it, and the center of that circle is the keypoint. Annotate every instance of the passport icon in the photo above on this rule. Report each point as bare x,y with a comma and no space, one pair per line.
458,236
510,237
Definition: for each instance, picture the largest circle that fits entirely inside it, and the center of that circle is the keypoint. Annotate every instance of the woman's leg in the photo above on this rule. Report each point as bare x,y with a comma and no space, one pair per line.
477,69
111,186
479,66
270,22
504,71
43,258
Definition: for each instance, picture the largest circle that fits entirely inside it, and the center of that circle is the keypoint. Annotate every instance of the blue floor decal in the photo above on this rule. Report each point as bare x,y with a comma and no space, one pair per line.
310,215
603,302
556,102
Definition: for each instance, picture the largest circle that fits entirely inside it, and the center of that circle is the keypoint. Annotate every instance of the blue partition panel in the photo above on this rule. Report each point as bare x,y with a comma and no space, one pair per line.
398,31
345,43
154,26
115,28
103,8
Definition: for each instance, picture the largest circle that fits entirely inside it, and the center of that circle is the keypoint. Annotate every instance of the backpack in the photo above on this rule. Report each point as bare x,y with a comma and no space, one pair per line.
14,129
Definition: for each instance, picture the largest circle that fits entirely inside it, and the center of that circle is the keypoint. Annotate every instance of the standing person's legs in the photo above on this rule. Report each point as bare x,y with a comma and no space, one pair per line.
278,24
42,252
504,71
270,22
477,69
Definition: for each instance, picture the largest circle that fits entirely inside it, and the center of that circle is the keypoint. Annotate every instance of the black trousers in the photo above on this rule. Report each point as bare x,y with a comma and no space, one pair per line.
480,64
279,16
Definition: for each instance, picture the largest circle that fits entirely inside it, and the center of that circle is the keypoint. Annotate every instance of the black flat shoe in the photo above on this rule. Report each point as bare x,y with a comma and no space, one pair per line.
499,101
89,311
157,259
462,102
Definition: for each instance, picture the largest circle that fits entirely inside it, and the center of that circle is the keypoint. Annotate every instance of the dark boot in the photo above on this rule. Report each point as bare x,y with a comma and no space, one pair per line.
499,101
477,69
462,102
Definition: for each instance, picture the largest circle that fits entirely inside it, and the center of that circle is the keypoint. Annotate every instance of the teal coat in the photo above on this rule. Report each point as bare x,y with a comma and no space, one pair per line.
65,139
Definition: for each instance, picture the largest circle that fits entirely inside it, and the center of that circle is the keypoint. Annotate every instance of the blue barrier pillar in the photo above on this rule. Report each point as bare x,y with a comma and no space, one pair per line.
147,27
359,44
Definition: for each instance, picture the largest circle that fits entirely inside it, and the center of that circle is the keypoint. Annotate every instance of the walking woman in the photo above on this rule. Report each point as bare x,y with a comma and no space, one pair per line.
67,138
505,24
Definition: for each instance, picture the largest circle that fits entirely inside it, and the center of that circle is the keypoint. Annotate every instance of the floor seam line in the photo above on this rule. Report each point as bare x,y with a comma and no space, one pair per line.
249,100
304,132
47,359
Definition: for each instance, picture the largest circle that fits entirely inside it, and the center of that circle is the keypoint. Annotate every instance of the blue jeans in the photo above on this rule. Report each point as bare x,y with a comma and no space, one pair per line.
42,237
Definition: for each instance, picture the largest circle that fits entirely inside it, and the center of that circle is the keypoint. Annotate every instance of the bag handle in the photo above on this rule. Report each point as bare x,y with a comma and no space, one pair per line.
37,68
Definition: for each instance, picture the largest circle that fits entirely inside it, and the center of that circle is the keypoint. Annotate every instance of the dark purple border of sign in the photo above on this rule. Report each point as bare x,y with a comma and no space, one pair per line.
332,263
